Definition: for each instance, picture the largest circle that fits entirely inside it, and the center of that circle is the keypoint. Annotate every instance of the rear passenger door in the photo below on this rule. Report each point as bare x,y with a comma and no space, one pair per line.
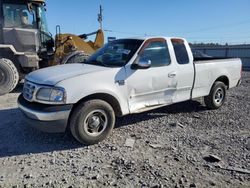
185,69
153,86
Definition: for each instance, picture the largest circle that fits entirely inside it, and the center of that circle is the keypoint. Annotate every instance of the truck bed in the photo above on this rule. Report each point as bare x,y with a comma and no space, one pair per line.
207,70
202,59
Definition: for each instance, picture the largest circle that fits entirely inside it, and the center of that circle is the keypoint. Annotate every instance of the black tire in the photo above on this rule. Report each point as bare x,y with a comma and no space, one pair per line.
217,96
92,121
75,57
9,76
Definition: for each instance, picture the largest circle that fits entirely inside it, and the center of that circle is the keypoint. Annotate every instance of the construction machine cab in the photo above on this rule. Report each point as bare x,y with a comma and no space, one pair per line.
25,42
23,26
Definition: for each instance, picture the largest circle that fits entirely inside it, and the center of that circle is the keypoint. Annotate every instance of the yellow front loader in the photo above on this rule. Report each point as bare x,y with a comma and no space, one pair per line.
70,48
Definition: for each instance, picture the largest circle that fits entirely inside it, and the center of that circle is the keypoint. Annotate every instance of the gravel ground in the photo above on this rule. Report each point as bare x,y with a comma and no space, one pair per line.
182,145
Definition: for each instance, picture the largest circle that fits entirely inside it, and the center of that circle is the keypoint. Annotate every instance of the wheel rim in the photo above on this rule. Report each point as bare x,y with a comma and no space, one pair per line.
2,77
219,96
95,123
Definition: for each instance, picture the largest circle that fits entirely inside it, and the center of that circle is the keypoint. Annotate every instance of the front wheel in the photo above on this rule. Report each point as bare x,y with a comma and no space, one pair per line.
9,76
92,121
217,96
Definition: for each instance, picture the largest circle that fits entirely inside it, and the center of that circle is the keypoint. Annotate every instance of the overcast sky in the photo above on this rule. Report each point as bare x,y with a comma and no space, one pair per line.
197,20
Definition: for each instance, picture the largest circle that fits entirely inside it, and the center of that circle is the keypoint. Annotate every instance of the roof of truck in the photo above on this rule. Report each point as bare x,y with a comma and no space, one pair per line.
39,1
153,37
23,1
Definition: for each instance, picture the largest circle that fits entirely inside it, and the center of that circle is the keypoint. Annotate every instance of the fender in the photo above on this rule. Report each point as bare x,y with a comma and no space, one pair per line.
12,48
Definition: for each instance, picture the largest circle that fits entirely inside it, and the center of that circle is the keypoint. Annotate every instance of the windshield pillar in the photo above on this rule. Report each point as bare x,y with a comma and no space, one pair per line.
46,39
41,19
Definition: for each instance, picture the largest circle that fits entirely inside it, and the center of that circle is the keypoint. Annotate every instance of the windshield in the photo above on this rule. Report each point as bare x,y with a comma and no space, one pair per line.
43,20
46,38
18,15
116,53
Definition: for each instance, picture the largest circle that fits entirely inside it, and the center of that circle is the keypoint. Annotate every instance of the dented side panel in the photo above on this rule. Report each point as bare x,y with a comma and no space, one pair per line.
159,86
151,87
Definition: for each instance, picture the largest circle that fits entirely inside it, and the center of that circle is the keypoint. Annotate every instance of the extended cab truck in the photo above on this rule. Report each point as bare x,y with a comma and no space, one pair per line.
124,77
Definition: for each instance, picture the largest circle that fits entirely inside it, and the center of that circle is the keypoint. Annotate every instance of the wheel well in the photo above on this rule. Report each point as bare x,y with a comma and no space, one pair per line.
223,79
8,54
105,97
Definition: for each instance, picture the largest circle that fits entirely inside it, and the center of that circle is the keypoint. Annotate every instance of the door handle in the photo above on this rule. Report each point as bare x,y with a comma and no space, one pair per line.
172,74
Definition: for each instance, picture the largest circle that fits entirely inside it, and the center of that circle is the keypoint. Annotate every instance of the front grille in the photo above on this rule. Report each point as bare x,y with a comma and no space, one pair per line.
28,90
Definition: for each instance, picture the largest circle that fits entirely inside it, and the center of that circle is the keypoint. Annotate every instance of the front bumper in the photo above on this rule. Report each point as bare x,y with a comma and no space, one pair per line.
47,118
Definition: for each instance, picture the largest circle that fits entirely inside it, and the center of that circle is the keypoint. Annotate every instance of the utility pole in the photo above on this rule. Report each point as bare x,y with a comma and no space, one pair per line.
100,17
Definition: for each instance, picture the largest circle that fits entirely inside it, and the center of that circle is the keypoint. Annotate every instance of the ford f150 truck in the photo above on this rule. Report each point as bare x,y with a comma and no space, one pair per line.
124,77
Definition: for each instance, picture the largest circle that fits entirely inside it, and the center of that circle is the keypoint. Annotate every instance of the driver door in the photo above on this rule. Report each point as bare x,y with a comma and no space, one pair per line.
155,86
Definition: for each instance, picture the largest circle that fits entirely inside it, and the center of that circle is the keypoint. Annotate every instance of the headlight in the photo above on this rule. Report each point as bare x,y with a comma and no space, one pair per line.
51,95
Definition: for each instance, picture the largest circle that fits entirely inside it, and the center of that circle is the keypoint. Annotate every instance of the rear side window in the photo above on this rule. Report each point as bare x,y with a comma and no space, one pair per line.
180,51
157,52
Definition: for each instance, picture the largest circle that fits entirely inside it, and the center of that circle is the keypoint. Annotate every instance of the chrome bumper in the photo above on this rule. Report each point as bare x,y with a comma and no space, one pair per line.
47,118
44,116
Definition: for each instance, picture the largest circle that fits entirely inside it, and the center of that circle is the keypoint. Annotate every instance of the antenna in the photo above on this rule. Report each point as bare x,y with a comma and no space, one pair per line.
100,17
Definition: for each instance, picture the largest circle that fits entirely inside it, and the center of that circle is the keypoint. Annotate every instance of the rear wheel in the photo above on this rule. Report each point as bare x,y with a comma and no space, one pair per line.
9,76
92,121
217,96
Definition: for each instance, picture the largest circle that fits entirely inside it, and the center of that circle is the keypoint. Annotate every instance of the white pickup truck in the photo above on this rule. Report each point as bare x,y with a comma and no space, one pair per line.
124,77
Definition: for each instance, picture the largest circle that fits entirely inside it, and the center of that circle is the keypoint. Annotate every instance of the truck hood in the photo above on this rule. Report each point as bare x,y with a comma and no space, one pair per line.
55,74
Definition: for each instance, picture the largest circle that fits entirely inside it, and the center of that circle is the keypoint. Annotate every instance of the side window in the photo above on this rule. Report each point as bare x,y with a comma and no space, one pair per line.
16,15
157,53
180,51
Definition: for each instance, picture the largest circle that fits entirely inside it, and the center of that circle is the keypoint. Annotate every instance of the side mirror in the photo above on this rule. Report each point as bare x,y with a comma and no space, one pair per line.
141,64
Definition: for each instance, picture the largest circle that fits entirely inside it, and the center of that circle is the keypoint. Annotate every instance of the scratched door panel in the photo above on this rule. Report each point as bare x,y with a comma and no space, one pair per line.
153,86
